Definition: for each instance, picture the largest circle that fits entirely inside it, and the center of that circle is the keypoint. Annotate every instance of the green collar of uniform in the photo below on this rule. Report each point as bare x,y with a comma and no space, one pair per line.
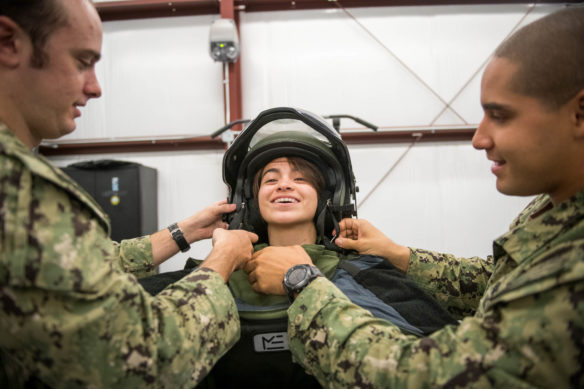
535,228
10,143
40,166
322,258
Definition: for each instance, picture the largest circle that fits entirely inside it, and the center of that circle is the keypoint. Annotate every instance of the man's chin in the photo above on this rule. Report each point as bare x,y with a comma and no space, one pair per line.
68,128
514,190
504,189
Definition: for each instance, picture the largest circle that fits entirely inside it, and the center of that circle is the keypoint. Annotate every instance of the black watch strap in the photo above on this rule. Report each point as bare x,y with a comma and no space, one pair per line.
178,237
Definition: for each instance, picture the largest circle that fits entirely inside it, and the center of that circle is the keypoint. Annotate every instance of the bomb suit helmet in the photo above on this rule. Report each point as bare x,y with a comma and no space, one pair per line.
290,132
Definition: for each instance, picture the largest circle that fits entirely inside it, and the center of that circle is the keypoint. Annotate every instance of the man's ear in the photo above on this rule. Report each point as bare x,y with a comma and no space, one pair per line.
10,42
579,114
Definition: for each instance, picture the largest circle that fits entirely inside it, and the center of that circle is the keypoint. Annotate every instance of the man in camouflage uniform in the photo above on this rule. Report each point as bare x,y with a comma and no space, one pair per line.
522,309
72,313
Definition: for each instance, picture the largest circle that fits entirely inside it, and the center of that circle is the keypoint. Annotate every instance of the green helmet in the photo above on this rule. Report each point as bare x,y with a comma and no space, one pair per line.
290,132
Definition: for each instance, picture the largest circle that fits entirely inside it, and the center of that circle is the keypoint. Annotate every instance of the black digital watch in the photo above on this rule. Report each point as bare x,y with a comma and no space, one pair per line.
298,277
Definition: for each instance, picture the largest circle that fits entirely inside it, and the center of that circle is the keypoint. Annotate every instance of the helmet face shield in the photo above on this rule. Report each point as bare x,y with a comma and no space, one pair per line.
288,132
278,126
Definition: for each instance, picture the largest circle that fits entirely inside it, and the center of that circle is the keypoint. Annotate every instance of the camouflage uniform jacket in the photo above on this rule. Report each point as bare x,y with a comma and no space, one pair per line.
71,312
526,327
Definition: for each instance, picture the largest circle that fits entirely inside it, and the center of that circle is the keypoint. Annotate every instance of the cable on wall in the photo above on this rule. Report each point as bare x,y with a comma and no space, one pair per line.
531,8
417,137
376,39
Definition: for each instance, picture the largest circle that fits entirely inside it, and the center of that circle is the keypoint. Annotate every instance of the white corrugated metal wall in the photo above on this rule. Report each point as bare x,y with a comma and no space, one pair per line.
158,80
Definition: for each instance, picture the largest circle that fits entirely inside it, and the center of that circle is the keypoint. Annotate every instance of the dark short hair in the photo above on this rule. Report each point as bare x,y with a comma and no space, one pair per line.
550,56
38,18
311,173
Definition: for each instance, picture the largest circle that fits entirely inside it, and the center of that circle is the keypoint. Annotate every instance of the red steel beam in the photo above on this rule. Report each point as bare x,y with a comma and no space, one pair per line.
388,137
133,146
207,143
234,68
139,9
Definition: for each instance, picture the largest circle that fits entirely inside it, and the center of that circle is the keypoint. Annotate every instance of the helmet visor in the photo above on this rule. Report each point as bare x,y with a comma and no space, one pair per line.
286,125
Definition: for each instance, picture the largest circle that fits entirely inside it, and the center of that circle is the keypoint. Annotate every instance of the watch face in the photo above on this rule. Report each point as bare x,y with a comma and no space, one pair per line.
297,276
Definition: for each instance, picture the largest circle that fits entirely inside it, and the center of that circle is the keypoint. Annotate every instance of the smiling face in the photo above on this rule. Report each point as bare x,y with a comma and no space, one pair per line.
287,195
532,146
52,94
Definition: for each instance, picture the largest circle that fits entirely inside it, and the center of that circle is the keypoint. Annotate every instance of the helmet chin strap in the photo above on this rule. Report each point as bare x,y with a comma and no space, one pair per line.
320,226
238,215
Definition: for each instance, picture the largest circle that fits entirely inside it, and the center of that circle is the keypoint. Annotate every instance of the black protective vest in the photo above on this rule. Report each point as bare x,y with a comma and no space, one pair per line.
261,359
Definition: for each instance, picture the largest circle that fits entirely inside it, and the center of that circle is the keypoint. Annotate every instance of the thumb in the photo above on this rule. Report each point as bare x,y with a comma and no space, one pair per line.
346,243
253,237
223,207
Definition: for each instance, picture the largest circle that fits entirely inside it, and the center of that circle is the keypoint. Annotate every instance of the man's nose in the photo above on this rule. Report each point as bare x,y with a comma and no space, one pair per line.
92,87
481,139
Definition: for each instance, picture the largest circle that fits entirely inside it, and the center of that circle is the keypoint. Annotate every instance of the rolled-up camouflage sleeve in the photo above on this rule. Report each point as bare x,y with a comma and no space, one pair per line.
457,283
135,256
520,344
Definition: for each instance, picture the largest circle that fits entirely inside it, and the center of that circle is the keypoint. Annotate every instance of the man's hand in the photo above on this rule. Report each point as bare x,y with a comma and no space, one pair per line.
196,227
362,236
267,267
231,251
202,224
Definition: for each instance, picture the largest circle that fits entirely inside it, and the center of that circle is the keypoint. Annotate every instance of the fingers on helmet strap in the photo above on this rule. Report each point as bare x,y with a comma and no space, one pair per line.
330,245
238,217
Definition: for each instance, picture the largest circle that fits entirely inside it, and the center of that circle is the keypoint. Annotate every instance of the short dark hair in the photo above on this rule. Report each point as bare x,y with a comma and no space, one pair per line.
550,56
38,18
311,173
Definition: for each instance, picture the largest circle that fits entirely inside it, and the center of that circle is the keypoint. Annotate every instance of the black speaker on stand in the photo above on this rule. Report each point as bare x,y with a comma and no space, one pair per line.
126,191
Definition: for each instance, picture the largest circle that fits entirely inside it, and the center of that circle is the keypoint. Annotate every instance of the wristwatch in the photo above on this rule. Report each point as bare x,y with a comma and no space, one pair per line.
298,277
178,237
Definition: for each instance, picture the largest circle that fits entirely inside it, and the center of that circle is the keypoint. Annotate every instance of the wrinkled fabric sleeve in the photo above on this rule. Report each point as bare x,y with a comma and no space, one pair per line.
71,314
117,335
343,346
135,256
456,283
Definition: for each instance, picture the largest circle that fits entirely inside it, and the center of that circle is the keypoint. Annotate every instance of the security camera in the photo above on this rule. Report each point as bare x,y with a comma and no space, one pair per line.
223,41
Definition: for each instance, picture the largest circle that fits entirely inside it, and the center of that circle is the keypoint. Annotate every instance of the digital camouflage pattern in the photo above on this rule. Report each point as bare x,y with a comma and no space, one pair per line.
526,328
71,314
